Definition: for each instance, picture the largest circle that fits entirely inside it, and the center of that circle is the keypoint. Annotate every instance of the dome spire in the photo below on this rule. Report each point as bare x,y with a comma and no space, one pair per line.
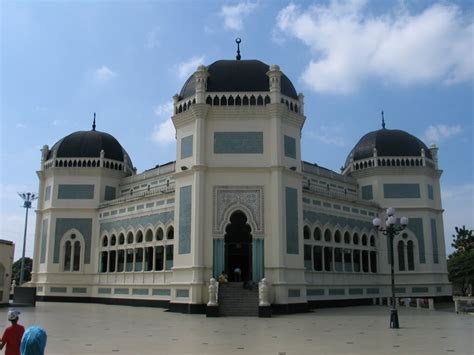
383,121
238,40
93,123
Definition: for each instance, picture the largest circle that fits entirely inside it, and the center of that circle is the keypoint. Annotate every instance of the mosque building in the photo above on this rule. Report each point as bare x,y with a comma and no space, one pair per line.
238,196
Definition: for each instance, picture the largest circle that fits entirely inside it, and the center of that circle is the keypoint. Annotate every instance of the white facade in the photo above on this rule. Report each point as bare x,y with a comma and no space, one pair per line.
162,234
7,250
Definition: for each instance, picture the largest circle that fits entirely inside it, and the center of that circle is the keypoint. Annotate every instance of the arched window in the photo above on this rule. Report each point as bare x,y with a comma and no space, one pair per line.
121,239
306,232
76,264
372,241
72,257
364,239
149,236
105,241
355,239
347,238
327,235
159,234
130,238
337,237
401,256
410,256
67,256
113,240
139,237
170,233
317,234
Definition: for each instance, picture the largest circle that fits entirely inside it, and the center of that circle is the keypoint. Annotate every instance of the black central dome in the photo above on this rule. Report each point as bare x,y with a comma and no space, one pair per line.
88,144
389,143
237,76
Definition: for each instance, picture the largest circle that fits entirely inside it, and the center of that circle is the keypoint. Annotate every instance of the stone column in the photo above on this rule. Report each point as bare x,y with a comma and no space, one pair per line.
431,306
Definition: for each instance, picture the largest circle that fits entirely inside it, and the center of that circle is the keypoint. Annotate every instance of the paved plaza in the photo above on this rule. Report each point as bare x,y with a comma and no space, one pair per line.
102,329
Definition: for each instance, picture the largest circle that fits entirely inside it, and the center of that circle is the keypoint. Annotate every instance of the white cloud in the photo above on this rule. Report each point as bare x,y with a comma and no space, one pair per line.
186,68
20,125
104,74
234,14
152,39
164,132
458,203
349,45
435,134
330,135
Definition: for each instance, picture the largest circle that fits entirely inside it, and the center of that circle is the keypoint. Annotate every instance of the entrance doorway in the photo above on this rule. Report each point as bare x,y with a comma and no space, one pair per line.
238,248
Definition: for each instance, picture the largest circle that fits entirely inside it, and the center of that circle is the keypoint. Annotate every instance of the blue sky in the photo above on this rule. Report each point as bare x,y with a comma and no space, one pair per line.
61,61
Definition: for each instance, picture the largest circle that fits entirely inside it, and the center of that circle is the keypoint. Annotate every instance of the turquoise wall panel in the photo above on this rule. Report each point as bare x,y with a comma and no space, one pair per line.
76,192
314,292
291,204
109,193
258,263
356,291
121,291
419,289
104,291
182,293
416,226
430,192
185,196
401,190
434,241
336,291
163,217
79,290
218,257
290,147
238,142
294,292
373,291
58,289
83,225
367,192
140,291
47,193
44,238
161,292
187,147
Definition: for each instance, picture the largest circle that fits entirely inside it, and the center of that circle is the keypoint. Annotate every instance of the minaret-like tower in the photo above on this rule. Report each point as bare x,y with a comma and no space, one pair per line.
238,181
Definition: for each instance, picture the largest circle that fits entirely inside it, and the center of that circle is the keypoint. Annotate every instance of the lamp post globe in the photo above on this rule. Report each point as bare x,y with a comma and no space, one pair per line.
391,230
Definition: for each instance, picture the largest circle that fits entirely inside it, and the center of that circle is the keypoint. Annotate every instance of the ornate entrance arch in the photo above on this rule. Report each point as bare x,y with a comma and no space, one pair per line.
238,247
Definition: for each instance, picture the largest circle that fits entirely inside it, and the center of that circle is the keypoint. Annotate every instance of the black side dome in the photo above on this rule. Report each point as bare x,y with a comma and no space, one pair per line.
389,143
88,144
237,76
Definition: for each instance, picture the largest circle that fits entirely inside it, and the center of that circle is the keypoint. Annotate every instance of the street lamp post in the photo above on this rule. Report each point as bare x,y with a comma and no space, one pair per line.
27,198
391,230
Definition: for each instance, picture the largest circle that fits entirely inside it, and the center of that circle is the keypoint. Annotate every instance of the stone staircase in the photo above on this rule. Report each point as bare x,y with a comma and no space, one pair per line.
234,300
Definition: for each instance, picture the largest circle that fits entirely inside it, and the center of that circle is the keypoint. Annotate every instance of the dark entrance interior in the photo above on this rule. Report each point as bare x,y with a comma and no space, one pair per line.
238,247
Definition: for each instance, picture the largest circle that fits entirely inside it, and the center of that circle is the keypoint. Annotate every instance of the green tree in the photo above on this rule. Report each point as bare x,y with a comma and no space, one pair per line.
16,268
461,270
461,261
463,240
